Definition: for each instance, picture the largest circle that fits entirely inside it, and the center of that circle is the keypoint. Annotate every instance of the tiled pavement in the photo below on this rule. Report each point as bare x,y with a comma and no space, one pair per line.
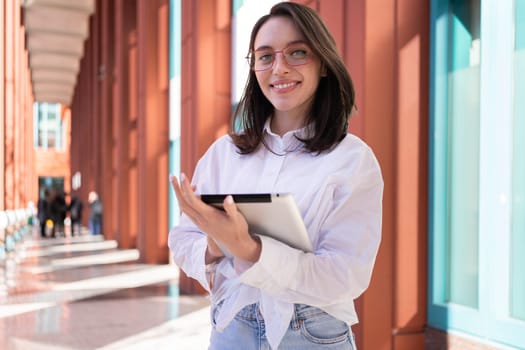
85,293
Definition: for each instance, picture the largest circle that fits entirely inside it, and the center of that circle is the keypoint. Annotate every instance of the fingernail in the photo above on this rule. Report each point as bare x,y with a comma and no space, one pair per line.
182,177
229,199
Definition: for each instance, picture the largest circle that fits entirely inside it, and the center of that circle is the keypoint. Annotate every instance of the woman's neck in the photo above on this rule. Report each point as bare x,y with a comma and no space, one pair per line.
283,122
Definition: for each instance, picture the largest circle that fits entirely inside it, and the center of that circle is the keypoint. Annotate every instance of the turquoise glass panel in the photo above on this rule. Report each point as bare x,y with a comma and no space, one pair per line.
438,209
175,104
518,167
175,38
477,170
237,4
519,12
463,153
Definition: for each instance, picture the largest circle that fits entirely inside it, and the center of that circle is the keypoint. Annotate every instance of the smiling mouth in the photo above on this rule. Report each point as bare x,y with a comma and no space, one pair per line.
284,86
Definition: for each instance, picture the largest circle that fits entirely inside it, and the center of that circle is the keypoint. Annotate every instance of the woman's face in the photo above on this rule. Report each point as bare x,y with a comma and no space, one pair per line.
289,87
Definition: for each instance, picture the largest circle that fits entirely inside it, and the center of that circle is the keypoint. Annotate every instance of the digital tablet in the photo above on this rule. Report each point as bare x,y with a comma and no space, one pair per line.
274,215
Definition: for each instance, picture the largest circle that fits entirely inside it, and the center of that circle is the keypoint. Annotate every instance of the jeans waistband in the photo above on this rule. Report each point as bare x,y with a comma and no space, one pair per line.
301,311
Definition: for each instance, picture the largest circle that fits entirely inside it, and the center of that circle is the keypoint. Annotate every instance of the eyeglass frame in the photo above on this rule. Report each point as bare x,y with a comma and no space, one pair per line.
251,57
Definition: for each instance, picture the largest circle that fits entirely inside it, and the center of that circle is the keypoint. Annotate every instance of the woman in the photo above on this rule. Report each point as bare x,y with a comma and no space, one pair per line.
294,117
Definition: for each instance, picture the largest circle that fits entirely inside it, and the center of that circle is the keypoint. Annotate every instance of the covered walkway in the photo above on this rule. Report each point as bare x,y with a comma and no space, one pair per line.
129,91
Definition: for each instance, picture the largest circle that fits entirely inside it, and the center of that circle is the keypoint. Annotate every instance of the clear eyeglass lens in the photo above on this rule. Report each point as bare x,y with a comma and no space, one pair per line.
294,55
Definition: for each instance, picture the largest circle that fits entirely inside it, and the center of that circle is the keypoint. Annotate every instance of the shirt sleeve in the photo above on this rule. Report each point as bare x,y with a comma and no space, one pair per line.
188,246
341,266
186,241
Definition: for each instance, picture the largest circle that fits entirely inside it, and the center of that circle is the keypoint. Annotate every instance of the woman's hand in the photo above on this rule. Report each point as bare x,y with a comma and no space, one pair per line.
229,227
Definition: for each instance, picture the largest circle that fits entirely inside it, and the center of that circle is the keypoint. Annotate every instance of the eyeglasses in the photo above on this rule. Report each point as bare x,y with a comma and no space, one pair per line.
294,55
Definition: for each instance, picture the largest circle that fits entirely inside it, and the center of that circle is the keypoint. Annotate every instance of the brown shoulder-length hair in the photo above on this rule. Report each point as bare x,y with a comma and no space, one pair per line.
334,98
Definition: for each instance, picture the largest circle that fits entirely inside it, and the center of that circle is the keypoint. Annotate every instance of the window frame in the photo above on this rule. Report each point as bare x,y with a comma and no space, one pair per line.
491,320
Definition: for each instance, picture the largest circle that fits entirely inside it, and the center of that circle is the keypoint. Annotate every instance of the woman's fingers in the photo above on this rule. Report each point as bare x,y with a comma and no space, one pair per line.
189,194
228,227
229,206
199,212
177,187
182,197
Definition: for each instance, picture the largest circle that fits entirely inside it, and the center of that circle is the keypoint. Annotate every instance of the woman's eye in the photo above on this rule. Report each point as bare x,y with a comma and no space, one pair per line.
265,57
299,53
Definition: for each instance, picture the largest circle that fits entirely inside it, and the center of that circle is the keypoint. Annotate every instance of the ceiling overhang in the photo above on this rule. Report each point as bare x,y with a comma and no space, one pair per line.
56,31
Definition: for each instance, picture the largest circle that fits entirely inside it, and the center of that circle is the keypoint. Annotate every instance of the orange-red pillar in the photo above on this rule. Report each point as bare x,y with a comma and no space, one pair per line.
206,87
85,127
105,82
387,53
125,123
2,105
16,113
411,184
153,78
9,104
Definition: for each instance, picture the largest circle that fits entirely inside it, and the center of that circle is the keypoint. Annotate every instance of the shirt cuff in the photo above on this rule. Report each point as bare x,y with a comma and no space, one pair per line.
203,271
276,261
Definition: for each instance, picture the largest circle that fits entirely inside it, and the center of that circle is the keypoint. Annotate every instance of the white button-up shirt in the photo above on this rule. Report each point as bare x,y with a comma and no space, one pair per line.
339,194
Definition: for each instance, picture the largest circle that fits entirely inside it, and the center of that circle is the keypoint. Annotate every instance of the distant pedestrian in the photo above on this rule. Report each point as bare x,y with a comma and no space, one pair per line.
75,214
95,213
58,212
44,211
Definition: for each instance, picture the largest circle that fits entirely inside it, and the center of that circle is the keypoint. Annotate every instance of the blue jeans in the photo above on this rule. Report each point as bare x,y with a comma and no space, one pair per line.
310,328
95,226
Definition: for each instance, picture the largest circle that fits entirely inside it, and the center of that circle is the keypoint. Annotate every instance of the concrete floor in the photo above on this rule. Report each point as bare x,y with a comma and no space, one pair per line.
85,293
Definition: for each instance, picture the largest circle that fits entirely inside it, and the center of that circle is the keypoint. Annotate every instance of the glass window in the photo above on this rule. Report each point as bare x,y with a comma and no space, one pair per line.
48,125
455,151
463,151
477,169
51,139
175,43
518,180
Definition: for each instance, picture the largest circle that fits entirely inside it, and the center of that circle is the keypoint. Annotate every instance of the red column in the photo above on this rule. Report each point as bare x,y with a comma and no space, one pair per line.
387,54
152,30
124,100
205,100
84,152
2,105
16,116
16,113
105,81
411,186
93,53
9,116
378,130
29,175
205,89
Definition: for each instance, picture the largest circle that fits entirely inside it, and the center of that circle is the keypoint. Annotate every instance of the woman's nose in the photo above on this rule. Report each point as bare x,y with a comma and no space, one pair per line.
279,64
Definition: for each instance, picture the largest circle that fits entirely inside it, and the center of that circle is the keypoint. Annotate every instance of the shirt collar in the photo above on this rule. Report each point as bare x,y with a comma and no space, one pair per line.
289,142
